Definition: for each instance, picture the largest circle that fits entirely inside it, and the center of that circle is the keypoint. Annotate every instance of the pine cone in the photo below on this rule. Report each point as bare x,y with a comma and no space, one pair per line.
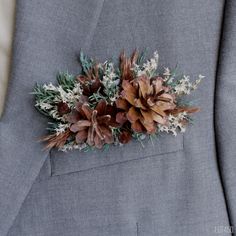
90,82
126,65
144,102
62,108
92,126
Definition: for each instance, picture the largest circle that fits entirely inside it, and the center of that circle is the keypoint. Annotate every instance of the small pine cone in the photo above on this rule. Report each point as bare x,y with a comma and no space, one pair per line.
62,108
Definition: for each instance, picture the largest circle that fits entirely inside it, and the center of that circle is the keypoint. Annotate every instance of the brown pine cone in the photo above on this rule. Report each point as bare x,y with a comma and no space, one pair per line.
93,126
144,102
90,82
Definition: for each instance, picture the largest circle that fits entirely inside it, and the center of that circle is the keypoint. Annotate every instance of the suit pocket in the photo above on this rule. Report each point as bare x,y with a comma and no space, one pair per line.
74,161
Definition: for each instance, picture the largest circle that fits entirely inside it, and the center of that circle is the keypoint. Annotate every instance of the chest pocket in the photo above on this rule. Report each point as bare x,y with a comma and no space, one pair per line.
75,161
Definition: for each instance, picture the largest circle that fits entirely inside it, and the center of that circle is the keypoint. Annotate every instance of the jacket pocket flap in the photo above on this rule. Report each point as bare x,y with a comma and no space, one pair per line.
74,161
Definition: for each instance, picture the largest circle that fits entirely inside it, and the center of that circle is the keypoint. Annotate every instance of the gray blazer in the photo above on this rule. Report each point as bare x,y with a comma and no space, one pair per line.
184,185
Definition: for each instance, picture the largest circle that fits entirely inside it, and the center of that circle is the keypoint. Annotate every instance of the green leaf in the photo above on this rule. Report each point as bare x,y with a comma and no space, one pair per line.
86,62
66,80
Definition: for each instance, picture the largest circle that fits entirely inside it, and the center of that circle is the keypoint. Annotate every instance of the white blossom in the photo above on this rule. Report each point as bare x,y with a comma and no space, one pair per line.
201,77
72,145
175,123
69,96
110,81
166,71
61,128
167,74
50,86
184,86
149,67
54,114
43,105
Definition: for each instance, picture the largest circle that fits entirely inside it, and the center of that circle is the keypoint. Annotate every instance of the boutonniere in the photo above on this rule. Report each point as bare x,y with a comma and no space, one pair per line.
109,105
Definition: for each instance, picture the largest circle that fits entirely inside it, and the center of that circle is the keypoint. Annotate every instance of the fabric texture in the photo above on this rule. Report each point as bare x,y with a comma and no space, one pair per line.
7,16
177,186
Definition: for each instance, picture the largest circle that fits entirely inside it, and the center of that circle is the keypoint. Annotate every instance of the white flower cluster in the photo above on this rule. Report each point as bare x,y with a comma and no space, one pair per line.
72,145
69,96
110,81
50,86
175,123
184,86
149,67
54,114
166,74
43,105
61,128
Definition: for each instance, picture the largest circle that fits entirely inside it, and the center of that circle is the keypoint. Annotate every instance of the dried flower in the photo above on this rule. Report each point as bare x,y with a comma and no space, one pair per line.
108,105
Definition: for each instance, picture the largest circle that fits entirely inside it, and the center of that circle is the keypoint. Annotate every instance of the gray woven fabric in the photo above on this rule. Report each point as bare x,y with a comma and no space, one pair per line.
180,186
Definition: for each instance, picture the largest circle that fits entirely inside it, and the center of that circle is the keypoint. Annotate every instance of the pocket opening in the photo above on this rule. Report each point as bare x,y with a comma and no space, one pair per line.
77,161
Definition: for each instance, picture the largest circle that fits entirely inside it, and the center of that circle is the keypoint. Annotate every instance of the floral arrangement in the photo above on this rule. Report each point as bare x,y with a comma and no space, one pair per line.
107,104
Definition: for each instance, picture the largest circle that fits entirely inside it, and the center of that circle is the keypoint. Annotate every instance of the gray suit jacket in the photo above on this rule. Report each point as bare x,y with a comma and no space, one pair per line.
180,186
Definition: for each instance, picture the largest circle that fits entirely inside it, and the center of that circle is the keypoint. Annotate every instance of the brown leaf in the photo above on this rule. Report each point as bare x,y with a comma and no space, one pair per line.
55,140
184,109
125,67
134,57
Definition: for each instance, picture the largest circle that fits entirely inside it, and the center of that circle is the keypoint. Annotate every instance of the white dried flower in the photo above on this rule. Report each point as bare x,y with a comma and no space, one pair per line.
43,105
61,128
50,86
149,67
72,145
110,81
175,123
166,71
167,74
201,77
184,86
54,114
